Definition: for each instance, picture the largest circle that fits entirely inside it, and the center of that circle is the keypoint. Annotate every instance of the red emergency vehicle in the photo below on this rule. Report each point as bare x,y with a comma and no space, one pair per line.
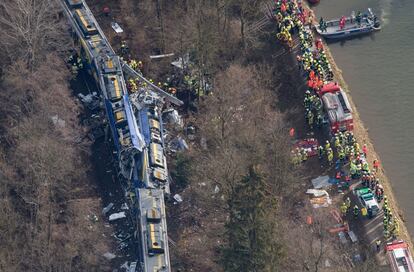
399,256
337,107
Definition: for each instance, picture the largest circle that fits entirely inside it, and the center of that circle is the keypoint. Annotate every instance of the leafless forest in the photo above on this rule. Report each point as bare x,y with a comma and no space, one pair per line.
43,160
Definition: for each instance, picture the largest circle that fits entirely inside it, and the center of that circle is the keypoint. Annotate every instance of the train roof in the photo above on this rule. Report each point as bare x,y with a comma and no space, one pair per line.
137,131
153,228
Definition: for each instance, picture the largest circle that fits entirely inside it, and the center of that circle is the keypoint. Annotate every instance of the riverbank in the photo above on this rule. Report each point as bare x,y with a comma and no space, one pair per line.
363,138
362,135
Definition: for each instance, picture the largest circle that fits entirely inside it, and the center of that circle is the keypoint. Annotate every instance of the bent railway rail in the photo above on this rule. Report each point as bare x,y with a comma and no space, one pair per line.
135,121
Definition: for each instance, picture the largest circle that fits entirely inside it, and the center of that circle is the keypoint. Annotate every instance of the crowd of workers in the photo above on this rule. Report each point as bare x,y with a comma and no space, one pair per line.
292,18
190,81
134,84
75,63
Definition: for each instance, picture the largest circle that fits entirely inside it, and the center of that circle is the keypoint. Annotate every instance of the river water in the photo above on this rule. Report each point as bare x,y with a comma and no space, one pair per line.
379,71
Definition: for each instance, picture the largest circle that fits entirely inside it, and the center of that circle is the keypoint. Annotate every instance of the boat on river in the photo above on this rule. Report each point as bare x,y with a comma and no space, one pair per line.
349,26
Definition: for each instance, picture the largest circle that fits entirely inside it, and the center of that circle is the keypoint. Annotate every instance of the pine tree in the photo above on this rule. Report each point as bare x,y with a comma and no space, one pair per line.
251,229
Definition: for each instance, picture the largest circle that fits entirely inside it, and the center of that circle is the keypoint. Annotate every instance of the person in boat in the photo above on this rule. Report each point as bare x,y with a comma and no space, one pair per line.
358,18
321,22
322,25
342,22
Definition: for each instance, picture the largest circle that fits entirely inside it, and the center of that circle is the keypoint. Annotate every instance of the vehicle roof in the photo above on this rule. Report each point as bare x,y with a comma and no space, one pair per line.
363,191
371,203
337,106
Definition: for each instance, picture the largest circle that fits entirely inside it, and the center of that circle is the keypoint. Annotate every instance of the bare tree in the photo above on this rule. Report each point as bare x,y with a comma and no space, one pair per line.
29,29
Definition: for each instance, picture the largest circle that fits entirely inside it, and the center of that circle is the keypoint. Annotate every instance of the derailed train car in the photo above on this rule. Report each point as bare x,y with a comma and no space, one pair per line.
137,136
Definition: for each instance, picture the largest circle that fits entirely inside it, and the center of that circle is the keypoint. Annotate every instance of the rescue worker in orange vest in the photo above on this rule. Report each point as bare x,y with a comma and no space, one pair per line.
376,165
365,150
172,90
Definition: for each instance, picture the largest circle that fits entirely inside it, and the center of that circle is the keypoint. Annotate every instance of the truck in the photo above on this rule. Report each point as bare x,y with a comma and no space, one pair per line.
399,256
367,199
337,108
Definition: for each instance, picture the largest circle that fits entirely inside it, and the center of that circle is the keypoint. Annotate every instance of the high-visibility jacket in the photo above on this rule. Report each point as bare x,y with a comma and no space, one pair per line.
356,210
344,208
364,211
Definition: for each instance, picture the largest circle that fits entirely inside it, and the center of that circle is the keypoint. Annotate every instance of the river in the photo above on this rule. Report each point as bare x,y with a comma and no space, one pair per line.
379,71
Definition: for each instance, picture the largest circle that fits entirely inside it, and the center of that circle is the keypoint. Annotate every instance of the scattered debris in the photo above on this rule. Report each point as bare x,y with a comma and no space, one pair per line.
122,246
93,217
323,201
203,143
216,189
353,237
109,256
316,192
116,216
335,214
125,266
178,198
190,130
107,208
173,117
320,198
339,228
183,144
95,124
309,220
124,206
115,26
162,56
182,63
132,267
91,100
321,182
357,258
342,237
178,144
58,122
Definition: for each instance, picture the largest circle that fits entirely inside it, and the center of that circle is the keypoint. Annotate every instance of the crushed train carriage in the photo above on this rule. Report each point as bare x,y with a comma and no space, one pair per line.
137,135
